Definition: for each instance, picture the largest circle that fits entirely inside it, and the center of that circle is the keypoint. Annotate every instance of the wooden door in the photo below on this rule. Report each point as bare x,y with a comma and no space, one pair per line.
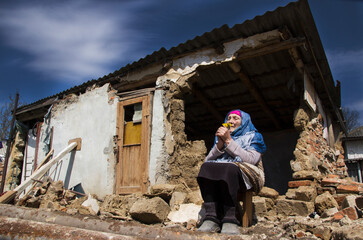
133,144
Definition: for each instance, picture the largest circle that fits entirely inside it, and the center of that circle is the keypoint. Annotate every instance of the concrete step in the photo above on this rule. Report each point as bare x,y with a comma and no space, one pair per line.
29,223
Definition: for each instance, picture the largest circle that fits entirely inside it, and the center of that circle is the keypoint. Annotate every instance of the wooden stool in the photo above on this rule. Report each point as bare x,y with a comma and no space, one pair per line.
246,214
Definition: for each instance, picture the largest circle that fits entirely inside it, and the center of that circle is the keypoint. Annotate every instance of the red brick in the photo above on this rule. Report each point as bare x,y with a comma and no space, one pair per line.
351,213
354,183
296,184
337,216
349,188
330,181
332,176
300,235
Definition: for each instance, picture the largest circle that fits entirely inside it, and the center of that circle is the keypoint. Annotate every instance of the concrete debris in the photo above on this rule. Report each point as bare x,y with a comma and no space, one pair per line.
306,193
165,191
291,193
289,207
150,211
92,205
353,232
118,206
262,206
18,221
177,199
194,197
52,195
349,201
349,212
268,193
186,213
324,201
329,212
275,217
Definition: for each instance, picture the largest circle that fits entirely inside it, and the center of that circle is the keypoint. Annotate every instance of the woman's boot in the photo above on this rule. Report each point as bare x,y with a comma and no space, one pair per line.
211,222
230,222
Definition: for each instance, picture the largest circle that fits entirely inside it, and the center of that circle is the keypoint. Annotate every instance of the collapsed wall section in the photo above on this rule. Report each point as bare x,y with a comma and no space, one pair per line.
315,160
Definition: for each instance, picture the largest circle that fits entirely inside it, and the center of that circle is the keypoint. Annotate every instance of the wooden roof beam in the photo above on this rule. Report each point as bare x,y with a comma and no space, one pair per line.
207,103
269,48
255,93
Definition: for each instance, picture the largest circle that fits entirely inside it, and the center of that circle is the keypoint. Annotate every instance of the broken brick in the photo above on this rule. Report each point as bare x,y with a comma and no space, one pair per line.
350,212
330,181
333,176
337,216
350,188
296,184
300,235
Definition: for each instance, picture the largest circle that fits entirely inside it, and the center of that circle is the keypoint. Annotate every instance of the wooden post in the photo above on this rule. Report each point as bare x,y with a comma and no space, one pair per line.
247,208
8,147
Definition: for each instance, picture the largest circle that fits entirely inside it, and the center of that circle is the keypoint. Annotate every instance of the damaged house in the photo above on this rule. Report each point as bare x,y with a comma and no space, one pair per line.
353,149
153,121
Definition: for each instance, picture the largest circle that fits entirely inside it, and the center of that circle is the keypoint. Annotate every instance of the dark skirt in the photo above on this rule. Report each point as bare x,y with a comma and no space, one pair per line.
229,173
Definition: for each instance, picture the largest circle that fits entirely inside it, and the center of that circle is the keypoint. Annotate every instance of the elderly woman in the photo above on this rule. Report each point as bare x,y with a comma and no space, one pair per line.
233,165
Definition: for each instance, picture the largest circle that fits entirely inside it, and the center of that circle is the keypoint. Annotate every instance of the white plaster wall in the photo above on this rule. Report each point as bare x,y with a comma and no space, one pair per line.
354,149
158,155
91,117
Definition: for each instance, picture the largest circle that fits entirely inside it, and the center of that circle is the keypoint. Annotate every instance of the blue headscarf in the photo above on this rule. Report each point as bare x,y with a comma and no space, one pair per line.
246,135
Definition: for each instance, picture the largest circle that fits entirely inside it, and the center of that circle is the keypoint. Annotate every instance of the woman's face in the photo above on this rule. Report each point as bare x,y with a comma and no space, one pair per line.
234,120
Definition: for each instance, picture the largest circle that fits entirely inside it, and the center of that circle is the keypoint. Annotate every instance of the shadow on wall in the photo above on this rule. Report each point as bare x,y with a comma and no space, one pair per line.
69,170
56,172
276,160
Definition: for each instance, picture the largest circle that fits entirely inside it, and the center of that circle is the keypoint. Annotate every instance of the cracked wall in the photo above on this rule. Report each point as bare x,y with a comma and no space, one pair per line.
90,116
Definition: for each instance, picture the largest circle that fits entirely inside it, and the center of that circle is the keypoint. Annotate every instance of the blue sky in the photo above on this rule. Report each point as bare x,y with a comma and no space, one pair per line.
48,46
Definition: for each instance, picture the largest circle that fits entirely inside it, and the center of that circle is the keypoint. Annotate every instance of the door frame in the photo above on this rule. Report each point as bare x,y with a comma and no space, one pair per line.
146,99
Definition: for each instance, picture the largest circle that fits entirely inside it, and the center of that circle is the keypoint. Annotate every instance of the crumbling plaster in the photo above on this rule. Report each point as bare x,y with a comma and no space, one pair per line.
158,156
92,117
189,63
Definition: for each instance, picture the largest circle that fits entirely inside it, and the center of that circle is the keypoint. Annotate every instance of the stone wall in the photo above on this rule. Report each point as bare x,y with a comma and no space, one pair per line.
314,158
15,164
185,157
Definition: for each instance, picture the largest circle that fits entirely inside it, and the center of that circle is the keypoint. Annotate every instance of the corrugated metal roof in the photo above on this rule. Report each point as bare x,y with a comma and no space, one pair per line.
356,133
